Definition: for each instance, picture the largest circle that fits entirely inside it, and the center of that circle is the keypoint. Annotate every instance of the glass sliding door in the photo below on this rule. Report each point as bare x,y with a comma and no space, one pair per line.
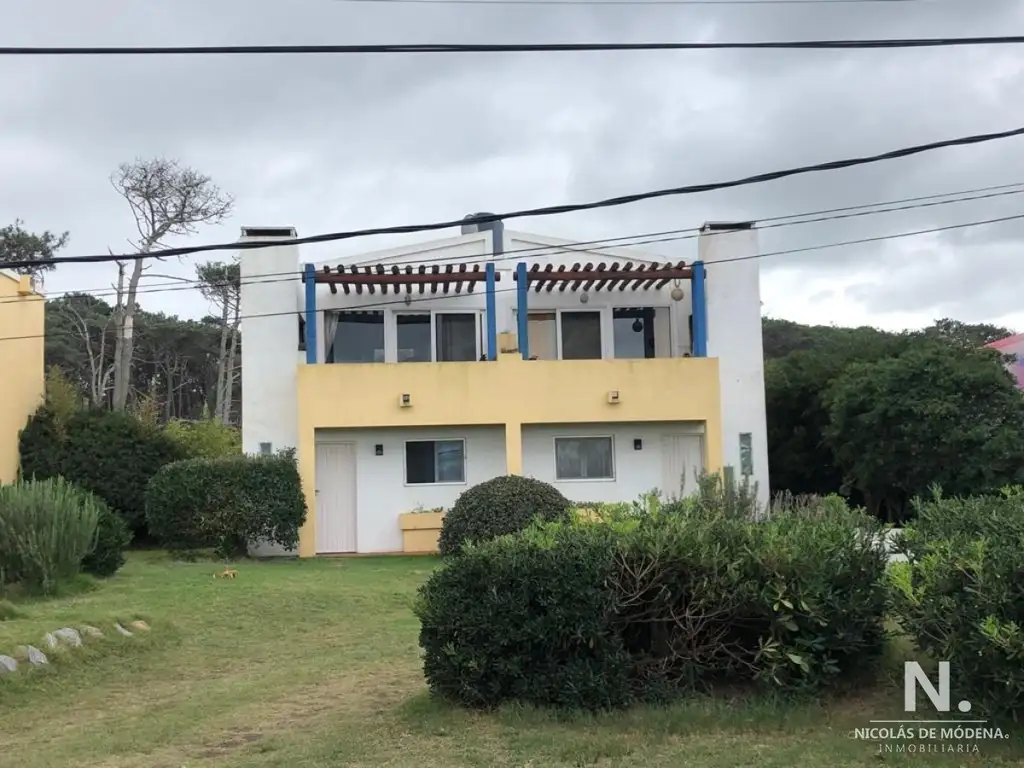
456,337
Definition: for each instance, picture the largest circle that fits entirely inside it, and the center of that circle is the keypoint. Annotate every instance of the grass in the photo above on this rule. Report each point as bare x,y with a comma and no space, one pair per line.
315,663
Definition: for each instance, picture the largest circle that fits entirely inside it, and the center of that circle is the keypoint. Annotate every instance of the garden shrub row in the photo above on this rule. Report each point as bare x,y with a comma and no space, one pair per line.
961,594
226,503
654,601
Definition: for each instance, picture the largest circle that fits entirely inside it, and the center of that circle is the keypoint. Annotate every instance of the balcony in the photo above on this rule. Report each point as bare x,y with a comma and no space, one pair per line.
507,391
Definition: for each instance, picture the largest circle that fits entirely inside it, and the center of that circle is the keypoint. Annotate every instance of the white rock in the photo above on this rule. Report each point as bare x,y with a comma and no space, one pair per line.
35,657
50,641
7,664
122,631
69,636
140,625
91,631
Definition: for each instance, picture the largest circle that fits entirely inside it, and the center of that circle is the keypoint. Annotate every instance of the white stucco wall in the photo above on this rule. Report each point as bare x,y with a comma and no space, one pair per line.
636,472
270,329
734,337
381,492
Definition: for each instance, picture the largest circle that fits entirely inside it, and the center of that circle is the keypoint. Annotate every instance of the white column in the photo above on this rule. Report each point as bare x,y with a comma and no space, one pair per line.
734,337
270,309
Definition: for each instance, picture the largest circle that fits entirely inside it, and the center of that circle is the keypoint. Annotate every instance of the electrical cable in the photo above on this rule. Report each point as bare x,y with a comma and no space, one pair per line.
760,255
624,241
531,212
446,48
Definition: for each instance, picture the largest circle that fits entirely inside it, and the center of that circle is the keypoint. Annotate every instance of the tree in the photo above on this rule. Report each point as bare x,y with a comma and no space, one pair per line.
80,340
17,244
166,200
965,334
221,283
800,459
936,414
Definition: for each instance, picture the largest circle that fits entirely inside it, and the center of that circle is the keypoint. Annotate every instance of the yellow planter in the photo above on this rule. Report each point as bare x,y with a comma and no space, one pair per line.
420,531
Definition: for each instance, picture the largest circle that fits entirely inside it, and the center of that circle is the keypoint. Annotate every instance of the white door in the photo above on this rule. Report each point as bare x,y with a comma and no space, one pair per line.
335,498
682,461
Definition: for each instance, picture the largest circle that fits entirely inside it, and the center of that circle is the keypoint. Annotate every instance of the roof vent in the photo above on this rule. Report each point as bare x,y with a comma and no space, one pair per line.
268,232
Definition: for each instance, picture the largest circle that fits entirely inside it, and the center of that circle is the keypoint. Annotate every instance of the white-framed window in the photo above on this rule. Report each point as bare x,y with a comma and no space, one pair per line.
432,462
585,458
604,332
437,336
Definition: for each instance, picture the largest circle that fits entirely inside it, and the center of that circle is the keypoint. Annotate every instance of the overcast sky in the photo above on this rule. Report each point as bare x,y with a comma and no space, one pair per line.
327,143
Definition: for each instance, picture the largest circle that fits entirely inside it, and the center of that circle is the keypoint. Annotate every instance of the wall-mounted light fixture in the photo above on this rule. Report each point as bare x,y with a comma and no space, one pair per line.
378,450
638,444
405,400
613,396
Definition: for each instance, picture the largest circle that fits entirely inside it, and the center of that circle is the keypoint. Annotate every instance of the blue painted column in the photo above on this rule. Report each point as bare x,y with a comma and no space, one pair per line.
492,319
309,277
522,300
700,310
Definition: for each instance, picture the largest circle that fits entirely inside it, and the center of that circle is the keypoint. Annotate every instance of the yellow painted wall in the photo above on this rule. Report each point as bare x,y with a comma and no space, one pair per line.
21,360
510,392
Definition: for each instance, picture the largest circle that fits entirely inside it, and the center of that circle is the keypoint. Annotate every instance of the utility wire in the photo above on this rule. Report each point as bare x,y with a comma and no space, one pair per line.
261,50
530,212
623,241
760,255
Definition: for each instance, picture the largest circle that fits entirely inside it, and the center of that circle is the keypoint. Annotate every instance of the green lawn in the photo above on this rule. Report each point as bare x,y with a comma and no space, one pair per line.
315,663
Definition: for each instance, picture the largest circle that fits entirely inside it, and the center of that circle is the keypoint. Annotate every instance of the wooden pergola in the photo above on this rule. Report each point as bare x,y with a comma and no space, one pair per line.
450,278
642,276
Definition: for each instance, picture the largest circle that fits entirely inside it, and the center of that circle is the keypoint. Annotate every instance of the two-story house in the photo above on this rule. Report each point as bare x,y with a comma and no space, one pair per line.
403,377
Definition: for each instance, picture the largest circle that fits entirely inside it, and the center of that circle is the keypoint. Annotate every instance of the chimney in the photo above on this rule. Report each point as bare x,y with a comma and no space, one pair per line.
472,223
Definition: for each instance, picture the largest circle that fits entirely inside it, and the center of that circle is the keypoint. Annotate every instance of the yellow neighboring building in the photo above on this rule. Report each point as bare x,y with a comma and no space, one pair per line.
404,377
22,323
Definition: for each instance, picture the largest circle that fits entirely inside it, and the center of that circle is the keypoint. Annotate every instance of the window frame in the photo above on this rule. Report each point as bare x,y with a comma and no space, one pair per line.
607,317
435,440
477,331
554,458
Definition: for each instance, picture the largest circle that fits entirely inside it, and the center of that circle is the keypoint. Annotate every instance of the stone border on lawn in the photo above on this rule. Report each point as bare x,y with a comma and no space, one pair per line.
63,638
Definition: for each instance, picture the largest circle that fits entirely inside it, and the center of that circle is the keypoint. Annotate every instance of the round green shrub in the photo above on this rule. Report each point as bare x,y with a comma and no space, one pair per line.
112,539
497,507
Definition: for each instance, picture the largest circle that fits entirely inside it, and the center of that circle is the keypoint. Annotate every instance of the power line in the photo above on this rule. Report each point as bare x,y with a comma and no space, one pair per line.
623,241
761,255
670,235
445,48
531,212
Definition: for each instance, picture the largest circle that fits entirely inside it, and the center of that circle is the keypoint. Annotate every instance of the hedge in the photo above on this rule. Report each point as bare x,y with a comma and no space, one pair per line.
961,595
226,503
600,614
108,453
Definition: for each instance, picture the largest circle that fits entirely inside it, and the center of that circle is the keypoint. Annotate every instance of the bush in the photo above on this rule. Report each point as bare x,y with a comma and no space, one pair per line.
111,454
644,607
227,503
112,539
205,438
499,506
47,527
488,637
961,594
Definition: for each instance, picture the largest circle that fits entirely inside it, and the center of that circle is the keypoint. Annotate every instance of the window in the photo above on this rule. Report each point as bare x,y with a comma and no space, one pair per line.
266,449
354,337
302,333
541,332
581,335
633,331
435,461
413,333
584,458
456,336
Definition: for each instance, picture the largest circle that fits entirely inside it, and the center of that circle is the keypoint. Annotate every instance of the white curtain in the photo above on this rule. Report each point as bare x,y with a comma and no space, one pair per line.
330,328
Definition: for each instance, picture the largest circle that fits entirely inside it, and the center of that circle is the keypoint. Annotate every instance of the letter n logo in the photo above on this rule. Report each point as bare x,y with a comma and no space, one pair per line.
914,675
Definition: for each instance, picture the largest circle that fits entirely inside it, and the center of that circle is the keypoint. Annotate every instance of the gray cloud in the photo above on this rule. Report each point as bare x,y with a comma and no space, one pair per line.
326,143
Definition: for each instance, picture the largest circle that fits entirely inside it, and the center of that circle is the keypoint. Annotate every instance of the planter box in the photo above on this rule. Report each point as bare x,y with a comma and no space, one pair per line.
420,531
